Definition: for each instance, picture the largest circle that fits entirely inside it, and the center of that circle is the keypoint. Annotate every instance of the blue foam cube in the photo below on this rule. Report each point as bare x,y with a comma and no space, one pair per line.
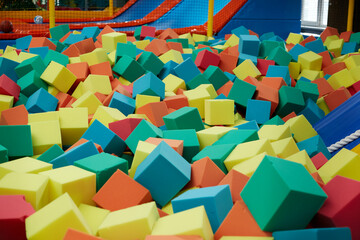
316,46
297,50
216,200
187,70
312,112
123,103
24,42
167,69
240,31
249,44
279,71
164,172
313,146
230,76
74,38
243,57
41,51
149,84
267,36
90,32
258,110
314,234
7,67
251,125
41,101
349,47
107,139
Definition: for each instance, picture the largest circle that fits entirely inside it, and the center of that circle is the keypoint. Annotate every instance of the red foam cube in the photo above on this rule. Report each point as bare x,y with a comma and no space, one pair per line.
319,160
206,58
263,65
124,127
14,116
337,97
9,87
236,181
323,86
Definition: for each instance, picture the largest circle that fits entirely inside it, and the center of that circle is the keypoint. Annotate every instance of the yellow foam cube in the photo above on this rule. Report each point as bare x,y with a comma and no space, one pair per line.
74,59
356,149
249,166
245,151
340,79
88,100
189,222
169,94
323,106
44,135
345,163
142,116
329,39
285,147
112,57
352,61
1,51
131,223
143,149
210,135
123,81
110,40
58,76
294,38
9,49
107,115
79,183
188,37
294,69
188,50
94,216
274,132
6,102
142,100
24,165
11,54
73,124
173,83
199,37
310,74
196,98
221,47
98,83
219,112
246,238
340,59
310,60
303,158
232,41
43,117
246,68
142,44
53,220
79,90
76,32
301,128
336,47
172,55
25,55
209,88
53,90
355,73
99,55
32,186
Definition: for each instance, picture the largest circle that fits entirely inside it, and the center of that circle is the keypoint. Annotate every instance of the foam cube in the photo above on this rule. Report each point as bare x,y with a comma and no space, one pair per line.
177,174
14,116
41,101
294,38
186,70
73,124
241,91
123,103
30,83
285,147
118,223
340,79
249,44
123,49
210,135
6,102
258,110
108,140
14,211
124,127
215,76
303,158
301,128
44,135
267,46
87,100
128,68
189,222
342,164
280,56
57,216
205,58
309,90
315,234
336,46
103,165
245,151
24,165
237,137
149,84
240,222
120,192
313,146
310,60
341,206
191,142
290,99
20,142
143,149
110,40
106,115
54,56
58,76
171,55
279,71
274,132
336,98
32,186
72,234
184,118
299,183
219,112
94,216
150,62
52,153
143,131
173,83
246,68
97,83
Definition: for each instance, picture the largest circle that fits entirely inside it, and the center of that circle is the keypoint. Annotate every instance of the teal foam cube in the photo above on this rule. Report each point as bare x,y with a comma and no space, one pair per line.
249,44
215,76
309,90
282,195
312,112
30,83
90,32
314,234
280,56
24,42
127,49
17,140
149,84
238,137
313,146
197,81
56,57
290,100
150,62
3,154
35,63
52,153
59,31
184,118
241,92
128,68
258,110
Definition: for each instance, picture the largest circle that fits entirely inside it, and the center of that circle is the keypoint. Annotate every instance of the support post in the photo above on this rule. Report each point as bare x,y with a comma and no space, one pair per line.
210,19
51,13
350,19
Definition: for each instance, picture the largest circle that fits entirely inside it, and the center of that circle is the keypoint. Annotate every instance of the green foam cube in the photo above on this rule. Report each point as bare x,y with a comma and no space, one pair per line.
128,68
241,91
30,83
290,100
35,63
52,153
17,140
215,76
56,57
280,56
184,118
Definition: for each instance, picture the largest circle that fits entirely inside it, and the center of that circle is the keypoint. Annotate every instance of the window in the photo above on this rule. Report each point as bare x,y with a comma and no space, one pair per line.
314,13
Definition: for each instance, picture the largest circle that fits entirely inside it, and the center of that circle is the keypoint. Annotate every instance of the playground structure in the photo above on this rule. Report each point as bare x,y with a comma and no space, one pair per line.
183,16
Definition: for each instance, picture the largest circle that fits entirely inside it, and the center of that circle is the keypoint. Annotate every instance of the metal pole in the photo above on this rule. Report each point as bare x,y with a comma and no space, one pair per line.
210,18
350,15
51,13
111,8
